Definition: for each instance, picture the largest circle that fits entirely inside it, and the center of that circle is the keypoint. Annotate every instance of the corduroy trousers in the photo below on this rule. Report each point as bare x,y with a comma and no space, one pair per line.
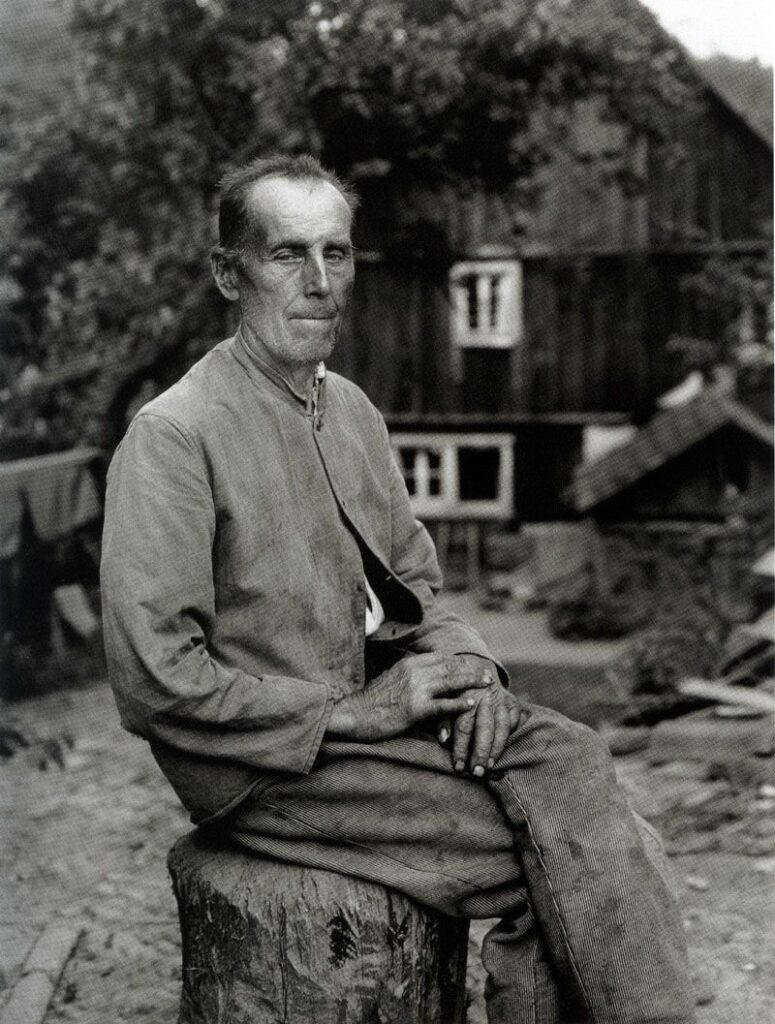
590,930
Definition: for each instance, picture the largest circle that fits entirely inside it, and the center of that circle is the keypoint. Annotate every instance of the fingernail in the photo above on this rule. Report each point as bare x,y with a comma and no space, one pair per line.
479,771
490,763
470,702
444,735
459,766
488,677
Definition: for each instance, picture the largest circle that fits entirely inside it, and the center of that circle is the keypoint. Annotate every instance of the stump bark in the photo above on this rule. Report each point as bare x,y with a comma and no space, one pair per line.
271,943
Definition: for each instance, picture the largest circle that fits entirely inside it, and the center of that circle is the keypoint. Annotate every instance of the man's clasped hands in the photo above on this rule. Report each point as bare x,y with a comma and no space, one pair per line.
461,693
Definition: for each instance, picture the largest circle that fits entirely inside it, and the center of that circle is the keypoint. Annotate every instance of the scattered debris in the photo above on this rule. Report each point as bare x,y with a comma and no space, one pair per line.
722,691
42,751
31,995
701,736
11,740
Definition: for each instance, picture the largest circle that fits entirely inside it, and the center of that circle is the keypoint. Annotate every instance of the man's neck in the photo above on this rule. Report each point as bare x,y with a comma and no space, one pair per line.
299,376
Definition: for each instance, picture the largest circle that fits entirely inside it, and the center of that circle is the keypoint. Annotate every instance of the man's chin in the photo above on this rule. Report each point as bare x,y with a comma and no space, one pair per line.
312,347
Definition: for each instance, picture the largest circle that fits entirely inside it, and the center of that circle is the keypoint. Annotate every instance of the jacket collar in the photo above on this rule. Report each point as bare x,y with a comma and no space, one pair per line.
258,369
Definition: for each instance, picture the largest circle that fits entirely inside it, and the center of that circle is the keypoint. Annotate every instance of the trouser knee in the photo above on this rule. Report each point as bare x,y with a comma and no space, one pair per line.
577,744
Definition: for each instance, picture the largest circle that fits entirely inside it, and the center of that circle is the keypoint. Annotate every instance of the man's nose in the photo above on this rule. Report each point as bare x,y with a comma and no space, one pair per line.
315,275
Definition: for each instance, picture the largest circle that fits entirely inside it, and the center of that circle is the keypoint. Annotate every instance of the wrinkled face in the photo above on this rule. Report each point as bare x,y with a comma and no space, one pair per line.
294,281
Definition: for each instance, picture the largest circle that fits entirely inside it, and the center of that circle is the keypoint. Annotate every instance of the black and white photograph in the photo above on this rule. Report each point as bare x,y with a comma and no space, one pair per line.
387,512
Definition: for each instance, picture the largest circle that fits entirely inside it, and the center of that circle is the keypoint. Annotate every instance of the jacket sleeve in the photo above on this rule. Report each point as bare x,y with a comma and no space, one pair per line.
413,559
158,601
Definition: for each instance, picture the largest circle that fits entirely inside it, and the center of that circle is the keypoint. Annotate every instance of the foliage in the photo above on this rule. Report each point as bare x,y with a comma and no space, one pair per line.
589,608
37,53
680,598
680,644
732,295
109,202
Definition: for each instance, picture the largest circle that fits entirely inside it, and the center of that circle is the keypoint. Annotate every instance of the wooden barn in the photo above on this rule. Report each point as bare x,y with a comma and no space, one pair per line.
491,338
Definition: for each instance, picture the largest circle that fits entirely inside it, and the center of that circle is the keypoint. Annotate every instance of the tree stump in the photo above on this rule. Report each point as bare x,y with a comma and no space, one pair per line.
266,942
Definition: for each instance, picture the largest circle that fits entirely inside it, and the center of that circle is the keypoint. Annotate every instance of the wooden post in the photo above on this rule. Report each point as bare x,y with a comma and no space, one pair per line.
443,538
265,942
473,546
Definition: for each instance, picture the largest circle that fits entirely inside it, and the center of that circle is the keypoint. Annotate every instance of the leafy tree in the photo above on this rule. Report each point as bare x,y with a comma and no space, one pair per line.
110,199
732,295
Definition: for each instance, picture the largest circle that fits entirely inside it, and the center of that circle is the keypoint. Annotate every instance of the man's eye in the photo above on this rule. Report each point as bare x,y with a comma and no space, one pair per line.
336,256
286,256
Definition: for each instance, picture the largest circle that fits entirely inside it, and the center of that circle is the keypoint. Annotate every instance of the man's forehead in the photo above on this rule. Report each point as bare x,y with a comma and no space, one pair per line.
298,208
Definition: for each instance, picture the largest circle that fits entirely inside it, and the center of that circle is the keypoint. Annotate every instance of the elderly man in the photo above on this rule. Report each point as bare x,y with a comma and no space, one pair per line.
272,629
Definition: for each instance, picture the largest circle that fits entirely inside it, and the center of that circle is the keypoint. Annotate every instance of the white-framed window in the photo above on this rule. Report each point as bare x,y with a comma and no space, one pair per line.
486,303
457,476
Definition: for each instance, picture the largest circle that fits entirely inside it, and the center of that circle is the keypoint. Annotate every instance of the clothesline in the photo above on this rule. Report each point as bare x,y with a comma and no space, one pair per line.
57,489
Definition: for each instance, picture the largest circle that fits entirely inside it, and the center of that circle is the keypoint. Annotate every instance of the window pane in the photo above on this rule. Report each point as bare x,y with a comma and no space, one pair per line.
410,484
408,455
478,470
434,459
471,298
434,486
495,299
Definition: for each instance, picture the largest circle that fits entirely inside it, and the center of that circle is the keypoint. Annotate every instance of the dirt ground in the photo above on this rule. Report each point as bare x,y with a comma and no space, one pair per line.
88,819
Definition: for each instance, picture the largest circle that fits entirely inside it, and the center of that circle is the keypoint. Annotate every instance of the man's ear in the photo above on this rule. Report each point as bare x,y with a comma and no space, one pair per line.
225,273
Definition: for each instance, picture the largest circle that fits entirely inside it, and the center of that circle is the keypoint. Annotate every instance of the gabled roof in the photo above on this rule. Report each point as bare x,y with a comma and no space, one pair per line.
669,434
646,17
731,109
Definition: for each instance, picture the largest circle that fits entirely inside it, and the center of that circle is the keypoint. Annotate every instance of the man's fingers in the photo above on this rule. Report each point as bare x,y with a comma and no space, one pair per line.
452,706
470,669
461,740
484,732
515,713
455,684
501,736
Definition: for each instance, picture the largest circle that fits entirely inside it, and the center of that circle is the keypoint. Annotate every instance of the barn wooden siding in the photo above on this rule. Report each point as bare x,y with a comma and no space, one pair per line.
605,188
595,336
712,182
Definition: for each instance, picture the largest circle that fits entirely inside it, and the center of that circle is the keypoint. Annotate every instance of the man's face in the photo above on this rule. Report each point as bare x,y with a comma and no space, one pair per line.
296,277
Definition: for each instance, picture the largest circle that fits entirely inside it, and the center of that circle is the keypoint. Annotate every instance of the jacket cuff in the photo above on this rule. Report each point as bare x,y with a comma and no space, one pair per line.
333,694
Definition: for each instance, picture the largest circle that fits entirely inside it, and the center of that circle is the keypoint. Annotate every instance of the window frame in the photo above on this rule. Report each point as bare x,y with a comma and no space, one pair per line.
508,331
448,504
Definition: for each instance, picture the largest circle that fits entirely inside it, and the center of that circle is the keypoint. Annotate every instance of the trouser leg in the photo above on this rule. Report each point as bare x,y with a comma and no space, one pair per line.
609,920
599,919
521,985
407,822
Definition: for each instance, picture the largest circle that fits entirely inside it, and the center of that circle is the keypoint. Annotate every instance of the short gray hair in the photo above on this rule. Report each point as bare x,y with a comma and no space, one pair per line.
234,222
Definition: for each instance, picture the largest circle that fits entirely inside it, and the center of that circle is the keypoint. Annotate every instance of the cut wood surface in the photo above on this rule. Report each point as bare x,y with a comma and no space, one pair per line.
266,942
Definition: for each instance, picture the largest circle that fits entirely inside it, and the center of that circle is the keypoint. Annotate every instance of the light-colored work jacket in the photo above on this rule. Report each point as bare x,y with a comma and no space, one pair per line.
240,522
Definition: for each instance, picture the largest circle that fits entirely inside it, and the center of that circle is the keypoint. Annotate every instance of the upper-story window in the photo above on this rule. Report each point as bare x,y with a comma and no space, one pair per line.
486,303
